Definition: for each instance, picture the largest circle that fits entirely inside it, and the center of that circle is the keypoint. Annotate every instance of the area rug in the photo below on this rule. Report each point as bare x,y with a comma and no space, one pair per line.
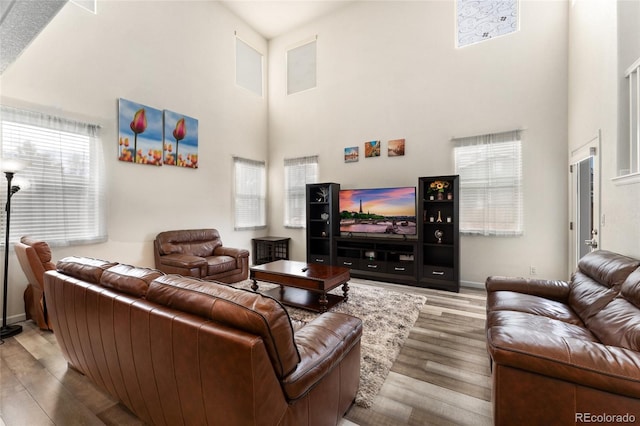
387,317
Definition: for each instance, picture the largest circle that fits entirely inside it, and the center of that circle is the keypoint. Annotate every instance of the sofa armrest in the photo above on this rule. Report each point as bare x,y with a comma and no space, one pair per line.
550,289
230,251
586,363
241,255
322,344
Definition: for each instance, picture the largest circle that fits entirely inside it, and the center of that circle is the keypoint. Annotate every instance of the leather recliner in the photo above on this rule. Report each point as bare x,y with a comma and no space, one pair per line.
35,259
199,253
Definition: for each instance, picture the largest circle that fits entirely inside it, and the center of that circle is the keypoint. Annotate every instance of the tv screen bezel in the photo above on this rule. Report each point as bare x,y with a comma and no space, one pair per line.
381,234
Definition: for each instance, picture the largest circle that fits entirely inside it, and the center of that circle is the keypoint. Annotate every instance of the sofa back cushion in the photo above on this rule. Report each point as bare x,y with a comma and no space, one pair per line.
84,268
618,323
196,242
129,279
237,308
597,281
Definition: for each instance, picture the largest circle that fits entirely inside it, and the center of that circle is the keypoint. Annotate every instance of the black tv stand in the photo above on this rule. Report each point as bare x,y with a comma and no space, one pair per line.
383,259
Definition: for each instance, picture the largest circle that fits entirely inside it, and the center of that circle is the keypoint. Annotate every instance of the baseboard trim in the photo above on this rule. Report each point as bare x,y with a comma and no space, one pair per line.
472,284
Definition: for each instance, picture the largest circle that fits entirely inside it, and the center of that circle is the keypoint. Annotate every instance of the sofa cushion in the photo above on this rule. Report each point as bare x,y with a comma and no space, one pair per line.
618,323
196,242
597,282
527,322
242,309
129,279
219,264
84,268
527,303
41,247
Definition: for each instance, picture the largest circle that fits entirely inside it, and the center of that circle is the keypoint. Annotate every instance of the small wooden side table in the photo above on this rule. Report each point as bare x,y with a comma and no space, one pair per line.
269,249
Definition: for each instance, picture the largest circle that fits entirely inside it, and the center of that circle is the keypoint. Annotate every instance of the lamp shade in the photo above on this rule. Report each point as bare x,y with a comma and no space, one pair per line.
12,165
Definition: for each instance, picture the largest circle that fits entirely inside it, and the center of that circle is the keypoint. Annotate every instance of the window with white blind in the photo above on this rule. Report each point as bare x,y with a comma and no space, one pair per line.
301,67
248,67
629,163
490,169
250,193
63,202
298,172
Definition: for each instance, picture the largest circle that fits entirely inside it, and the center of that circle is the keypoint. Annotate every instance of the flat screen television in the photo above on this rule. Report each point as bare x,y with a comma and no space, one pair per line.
378,211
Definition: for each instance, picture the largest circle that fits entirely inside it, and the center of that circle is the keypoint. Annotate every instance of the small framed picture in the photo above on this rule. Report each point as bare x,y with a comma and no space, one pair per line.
372,149
396,148
351,154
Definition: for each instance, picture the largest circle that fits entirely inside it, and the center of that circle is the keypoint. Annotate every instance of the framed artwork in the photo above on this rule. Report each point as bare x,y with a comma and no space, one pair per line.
139,133
180,140
372,149
351,154
395,148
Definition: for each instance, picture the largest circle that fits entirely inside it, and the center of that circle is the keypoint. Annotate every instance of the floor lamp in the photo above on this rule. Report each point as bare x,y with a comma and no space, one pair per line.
10,168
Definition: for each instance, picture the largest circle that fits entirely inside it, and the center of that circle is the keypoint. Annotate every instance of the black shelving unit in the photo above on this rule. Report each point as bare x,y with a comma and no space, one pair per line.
323,222
439,232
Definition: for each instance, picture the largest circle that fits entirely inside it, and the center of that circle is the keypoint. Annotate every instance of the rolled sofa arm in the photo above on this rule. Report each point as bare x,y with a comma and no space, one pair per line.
550,289
575,360
322,344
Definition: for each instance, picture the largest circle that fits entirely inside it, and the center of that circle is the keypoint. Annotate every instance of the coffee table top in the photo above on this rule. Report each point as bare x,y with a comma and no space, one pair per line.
301,269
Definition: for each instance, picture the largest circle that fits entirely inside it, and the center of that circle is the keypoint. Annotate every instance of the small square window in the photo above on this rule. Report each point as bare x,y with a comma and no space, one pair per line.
301,68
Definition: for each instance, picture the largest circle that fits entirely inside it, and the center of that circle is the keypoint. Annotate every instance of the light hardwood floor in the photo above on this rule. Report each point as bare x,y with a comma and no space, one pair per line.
441,376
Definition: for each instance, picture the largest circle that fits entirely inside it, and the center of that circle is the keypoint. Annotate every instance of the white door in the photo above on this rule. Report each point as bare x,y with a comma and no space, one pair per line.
584,191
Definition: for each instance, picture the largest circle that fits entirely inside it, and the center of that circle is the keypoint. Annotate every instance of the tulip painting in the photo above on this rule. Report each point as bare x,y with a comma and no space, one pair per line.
180,140
142,125
179,133
138,125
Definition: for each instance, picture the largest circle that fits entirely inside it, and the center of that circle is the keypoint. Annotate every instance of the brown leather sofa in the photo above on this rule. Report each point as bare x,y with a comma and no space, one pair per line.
35,259
567,352
177,350
199,253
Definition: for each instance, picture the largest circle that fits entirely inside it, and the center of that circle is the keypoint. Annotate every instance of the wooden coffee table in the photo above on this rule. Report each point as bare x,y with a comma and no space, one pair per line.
302,285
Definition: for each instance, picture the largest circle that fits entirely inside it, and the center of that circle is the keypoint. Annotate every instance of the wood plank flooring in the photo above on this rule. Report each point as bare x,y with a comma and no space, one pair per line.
441,376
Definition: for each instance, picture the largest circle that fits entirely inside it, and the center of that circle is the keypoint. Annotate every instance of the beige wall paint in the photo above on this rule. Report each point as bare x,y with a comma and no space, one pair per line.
604,41
169,55
390,70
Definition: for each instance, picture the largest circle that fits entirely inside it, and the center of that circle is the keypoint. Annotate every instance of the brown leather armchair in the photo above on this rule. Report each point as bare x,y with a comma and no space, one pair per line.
199,253
35,259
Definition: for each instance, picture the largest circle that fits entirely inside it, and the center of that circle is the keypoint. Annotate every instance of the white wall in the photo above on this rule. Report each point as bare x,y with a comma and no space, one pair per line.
604,41
169,55
390,70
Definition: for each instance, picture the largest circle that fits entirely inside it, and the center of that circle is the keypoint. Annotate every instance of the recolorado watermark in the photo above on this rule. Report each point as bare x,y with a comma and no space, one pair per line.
605,418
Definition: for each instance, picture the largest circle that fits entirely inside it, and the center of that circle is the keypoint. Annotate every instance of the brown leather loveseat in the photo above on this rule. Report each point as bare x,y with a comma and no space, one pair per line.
199,253
567,352
177,350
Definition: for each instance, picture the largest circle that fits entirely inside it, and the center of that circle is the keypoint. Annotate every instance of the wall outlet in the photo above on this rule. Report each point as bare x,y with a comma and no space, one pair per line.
532,270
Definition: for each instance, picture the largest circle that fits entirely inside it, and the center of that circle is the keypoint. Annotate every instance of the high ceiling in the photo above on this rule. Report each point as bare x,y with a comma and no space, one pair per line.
273,18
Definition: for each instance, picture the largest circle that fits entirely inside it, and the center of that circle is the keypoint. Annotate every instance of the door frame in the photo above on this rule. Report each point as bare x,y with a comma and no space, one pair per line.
591,148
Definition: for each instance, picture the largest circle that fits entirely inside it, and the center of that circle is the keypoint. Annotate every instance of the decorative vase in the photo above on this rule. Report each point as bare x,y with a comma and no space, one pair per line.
440,196
450,196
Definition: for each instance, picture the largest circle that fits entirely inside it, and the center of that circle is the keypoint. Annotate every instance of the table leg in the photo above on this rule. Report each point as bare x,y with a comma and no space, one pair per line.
254,286
345,291
323,302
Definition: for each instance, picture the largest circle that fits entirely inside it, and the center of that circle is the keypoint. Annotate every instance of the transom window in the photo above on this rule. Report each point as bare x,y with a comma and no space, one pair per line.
480,20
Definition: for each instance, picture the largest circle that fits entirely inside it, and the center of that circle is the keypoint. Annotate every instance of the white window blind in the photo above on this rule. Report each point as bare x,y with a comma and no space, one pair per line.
490,169
248,67
250,194
298,172
301,68
64,203
632,75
